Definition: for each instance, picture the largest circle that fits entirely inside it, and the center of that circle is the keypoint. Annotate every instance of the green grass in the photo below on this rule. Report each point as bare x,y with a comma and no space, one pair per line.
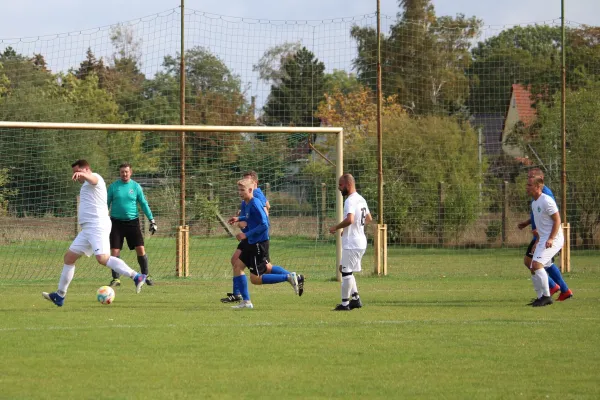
444,324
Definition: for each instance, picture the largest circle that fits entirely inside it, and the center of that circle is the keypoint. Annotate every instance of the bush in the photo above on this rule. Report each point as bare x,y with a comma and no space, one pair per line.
284,204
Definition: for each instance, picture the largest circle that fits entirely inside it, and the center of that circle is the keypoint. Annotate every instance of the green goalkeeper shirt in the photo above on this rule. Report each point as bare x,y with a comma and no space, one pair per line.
123,198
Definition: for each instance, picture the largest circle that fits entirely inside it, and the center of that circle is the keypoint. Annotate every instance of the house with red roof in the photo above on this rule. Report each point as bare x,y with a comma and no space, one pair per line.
520,110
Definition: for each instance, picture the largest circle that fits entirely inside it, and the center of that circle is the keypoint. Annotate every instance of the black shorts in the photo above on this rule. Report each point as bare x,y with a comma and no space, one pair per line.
129,230
255,256
242,244
529,252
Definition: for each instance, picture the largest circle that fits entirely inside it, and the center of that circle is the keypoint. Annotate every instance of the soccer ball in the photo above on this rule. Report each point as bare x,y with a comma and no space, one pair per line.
105,295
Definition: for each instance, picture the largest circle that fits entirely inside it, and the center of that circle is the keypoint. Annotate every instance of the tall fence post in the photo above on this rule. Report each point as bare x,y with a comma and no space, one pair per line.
267,190
440,230
504,212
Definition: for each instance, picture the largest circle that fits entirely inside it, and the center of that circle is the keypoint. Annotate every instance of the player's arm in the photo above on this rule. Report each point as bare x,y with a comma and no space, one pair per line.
88,176
257,214
141,199
368,218
555,227
524,224
109,196
349,220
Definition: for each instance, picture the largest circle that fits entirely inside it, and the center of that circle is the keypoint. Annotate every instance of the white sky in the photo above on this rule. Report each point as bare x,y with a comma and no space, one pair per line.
27,18
239,45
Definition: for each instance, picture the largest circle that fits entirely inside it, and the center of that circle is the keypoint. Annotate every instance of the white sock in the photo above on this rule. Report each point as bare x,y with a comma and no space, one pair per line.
118,265
346,289
536,285
65,279
354,290
543,279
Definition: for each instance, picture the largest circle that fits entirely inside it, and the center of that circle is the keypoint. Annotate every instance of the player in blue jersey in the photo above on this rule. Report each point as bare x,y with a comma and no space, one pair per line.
235,295
255,249
555,278
123,198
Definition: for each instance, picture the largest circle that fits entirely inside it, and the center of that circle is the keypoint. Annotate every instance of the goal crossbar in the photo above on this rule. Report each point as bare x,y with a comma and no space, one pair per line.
166,128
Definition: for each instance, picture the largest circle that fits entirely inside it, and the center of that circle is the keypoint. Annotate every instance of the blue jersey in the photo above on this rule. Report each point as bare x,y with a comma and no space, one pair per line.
257,229
258,194
545,190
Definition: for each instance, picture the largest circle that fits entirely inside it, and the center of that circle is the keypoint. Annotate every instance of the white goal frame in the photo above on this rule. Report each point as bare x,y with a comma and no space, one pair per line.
182,260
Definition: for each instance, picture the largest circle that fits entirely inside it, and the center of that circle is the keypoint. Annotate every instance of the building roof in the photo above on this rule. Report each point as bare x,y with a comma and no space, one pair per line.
525,105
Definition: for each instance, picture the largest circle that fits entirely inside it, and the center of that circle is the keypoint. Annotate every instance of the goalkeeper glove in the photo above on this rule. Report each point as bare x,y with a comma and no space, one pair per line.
153,226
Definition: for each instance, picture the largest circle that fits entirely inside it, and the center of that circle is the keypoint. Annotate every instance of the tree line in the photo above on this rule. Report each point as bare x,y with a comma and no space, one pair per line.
435,79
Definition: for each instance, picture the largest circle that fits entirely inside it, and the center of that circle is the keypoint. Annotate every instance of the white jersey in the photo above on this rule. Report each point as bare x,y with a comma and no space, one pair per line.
93,208
354,234
543,208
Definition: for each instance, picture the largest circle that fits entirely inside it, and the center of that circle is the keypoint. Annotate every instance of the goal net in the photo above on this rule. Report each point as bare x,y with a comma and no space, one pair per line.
300,184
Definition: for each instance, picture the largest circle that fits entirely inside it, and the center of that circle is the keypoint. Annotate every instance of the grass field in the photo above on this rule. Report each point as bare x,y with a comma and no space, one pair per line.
443,324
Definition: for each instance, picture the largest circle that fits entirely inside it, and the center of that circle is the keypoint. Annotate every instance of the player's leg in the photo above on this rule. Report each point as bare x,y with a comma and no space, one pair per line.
347,282
241,283
99,239
135,240
79,247
528,258
543,257
554,273
235,295
116,244
355,266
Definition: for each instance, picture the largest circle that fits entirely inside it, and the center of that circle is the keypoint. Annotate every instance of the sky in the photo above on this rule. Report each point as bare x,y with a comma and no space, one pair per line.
29,18
62,30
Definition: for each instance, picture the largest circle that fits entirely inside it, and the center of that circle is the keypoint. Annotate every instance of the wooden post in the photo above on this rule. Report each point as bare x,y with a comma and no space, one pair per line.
376,247
267,190
323,213
182,267
504,211
565,254
211,197
380,249
440,232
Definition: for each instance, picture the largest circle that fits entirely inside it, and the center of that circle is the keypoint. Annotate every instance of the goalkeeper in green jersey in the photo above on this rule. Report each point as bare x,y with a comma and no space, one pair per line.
123,197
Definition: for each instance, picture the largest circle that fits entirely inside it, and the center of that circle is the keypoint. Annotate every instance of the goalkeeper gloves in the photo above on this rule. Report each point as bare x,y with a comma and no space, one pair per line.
153,226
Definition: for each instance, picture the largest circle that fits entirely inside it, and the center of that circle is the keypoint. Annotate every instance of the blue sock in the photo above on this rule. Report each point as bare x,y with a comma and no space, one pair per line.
555,274
242,285
236,289
279,270
269,279
551,282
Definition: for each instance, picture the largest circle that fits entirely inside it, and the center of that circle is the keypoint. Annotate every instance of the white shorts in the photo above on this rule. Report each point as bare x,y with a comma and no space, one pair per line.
92,240
544,255
351,260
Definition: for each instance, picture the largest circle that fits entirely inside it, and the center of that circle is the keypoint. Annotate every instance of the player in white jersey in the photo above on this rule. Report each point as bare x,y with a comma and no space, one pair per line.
93,238
354,241
548,224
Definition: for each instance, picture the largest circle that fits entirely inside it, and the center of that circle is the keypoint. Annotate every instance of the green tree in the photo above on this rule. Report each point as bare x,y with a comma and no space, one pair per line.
423,58
531,55
294,100
583,181
341,81
91,66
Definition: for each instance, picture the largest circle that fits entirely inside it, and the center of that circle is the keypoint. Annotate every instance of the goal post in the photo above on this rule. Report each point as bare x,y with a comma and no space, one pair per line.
182,253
